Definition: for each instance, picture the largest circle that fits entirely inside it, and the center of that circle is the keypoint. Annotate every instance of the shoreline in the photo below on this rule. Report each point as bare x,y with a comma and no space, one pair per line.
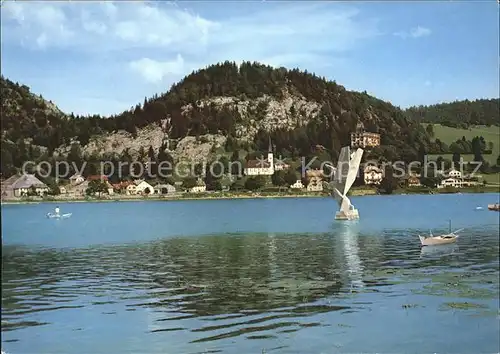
265,195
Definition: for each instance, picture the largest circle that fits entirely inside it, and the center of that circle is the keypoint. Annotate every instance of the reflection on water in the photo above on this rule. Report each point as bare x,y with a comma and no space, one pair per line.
439,251
219,291
348,236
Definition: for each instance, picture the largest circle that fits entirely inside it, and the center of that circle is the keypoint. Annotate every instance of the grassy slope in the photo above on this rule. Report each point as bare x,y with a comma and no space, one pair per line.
449,135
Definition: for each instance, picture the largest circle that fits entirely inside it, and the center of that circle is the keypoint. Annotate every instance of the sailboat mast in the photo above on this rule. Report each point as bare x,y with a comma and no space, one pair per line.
449,226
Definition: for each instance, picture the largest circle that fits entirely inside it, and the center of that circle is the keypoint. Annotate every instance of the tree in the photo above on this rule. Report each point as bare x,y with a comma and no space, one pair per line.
278,178
440,162
430,130
189,182
290,177
456,160
477,149
254,183
238,185
97,186
75,155
388,183
7,165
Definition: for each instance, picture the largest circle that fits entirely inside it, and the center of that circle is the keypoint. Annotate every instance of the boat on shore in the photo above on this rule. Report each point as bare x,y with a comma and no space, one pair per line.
494,207
444,239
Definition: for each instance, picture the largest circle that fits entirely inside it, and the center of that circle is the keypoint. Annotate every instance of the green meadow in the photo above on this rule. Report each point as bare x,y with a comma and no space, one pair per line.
449,135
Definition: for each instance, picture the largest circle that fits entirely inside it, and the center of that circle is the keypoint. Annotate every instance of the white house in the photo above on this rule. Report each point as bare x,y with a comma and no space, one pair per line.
164,189
454,173
450,182
76,179
297,185
143,187
131,189
372,175
199,188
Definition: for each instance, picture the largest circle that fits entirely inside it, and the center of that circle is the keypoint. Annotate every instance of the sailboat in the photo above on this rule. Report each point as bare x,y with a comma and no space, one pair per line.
431,240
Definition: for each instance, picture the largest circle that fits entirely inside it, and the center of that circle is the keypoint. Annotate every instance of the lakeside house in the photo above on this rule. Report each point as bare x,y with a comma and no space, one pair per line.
165,189
143,187
450,182
24,185
458,182
199,188
76,179
314,180
372,175
413,181
454,178
363,139
297,185
77,190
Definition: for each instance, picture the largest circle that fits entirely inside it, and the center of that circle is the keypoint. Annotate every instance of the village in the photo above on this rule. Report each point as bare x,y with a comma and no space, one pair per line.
314,181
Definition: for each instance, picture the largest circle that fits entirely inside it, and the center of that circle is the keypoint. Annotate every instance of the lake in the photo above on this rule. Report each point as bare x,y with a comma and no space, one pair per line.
251,276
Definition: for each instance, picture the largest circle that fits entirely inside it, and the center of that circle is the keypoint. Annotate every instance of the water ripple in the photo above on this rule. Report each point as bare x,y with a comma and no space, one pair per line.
256,286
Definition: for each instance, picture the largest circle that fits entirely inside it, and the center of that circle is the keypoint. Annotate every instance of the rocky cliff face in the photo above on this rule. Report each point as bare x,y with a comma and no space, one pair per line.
264,113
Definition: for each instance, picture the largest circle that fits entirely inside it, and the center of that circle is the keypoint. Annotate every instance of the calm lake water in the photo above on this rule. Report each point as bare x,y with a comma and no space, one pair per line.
251,276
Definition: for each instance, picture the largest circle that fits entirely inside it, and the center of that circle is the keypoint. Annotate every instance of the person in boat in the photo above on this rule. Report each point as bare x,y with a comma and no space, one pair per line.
57,211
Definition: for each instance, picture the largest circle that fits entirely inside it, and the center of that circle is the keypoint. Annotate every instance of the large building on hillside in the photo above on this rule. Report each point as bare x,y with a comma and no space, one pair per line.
264,167
363,139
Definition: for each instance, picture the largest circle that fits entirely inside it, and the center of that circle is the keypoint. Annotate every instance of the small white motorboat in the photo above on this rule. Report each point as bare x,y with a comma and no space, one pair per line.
59,216
431,240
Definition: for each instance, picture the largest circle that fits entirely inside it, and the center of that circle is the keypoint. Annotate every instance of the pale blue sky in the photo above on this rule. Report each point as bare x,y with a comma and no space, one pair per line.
103,58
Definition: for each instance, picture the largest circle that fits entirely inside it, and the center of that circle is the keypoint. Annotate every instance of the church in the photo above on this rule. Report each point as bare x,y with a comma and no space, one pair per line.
264,167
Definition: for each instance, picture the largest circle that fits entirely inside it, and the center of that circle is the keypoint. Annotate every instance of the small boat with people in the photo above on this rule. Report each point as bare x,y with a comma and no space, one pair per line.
57,214
494,207
444,239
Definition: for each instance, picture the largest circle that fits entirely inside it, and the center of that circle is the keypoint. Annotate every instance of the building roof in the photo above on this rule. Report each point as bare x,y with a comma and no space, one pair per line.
314,173
10,181
97,177
164,185
123,184
281,163
371,168
28,181
258,164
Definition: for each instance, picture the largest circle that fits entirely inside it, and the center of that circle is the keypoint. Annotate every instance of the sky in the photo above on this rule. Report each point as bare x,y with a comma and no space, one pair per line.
105,57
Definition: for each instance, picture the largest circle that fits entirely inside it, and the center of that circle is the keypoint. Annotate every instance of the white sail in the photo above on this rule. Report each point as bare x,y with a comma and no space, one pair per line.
343,178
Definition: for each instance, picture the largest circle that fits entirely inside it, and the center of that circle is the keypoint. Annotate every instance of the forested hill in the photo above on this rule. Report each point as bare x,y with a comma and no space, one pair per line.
459,114
243,105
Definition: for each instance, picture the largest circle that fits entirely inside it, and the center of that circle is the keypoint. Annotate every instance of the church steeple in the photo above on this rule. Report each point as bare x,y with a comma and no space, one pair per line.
270,157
